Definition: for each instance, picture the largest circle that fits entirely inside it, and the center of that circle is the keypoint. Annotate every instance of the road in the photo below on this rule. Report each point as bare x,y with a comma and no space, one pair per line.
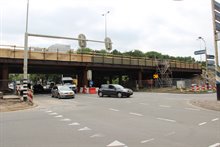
145,119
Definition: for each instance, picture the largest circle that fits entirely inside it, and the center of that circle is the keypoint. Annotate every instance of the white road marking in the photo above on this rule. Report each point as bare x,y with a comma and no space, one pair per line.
215,119
137,114
164,106
215,145
169,134
59,116
116,143
74,124
53,113
193,109
84,129
203,123
144,104
65,119
145,141
113,109
49,111
97,135
165,119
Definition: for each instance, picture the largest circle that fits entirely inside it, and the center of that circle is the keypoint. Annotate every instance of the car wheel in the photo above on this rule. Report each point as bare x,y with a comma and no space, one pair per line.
119,94
100,94
58,96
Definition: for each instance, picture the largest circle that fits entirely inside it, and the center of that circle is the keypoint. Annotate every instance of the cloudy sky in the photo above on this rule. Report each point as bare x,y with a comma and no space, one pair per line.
166,26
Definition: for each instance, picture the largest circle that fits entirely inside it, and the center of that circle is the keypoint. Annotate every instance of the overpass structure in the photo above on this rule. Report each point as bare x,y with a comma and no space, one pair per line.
103,66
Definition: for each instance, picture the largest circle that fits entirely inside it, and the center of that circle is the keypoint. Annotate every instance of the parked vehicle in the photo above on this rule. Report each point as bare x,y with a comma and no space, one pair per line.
114,90
62,92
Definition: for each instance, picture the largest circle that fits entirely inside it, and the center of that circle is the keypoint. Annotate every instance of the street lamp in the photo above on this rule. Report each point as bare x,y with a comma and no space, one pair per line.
206,66
25,66
105,15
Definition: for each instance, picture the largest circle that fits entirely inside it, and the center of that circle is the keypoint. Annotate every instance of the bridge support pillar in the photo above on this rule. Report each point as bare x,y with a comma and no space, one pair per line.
85,80
140,79
4,78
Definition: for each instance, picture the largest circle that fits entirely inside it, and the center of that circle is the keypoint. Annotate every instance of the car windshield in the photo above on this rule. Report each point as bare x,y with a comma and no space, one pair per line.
119,87
64,88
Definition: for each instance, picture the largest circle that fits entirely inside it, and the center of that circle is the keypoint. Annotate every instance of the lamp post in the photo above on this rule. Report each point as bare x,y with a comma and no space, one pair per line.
206,63
25,66
105,15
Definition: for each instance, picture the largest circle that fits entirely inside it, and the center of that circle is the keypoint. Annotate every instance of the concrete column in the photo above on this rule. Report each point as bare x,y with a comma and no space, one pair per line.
140,79
4,78
120,79
84,76
110,79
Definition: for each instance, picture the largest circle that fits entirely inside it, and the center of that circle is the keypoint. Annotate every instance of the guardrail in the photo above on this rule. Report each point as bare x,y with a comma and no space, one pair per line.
17,52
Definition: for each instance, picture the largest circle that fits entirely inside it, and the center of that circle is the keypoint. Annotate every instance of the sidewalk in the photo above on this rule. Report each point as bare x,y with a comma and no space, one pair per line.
207,104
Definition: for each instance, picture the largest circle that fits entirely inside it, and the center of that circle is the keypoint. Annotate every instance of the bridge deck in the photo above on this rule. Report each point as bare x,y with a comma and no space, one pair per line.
91,58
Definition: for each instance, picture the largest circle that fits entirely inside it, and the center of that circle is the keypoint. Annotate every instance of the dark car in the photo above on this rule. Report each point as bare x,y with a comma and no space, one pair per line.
114,90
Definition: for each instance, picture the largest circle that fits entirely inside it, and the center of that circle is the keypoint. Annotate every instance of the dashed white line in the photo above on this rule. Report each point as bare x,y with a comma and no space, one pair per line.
137,114
74,124
49,111
113,109
165,119
145,141
84,129
193,109
96,135
144,104
53,113
58,116
203,123
65,119
164,106
169,134
215,145
215,119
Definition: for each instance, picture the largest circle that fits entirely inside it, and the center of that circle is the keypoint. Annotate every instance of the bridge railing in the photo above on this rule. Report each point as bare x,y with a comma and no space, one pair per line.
71,56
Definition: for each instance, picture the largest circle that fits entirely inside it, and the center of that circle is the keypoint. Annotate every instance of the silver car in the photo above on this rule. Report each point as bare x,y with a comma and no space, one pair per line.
62,92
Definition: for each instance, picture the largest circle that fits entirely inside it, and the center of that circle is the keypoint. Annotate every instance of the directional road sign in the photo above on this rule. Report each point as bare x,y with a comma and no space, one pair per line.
210,62
210,56
199,52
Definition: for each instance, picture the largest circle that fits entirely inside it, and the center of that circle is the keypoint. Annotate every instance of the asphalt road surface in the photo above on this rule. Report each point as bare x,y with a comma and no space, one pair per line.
145,119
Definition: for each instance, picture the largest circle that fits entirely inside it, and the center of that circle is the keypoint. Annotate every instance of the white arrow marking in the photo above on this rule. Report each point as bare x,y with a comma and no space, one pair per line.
203,123
116,143
84,129
59,116
137,114
164,119
74,124
215,119
65,119
145,141
113,109
215,145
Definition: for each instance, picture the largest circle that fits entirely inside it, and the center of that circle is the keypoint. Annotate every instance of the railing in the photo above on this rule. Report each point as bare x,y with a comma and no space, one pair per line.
17,52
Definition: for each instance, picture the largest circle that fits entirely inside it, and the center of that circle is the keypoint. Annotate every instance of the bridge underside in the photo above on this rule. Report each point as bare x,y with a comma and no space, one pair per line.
101,73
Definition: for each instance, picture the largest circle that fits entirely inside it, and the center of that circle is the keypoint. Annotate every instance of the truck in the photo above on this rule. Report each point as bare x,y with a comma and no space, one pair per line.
68,81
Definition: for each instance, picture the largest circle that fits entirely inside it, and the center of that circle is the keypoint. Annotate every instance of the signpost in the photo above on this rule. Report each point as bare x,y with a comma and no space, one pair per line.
210,57
155,76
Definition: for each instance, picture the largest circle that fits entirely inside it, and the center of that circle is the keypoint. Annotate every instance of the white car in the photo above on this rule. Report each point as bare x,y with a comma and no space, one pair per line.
62,92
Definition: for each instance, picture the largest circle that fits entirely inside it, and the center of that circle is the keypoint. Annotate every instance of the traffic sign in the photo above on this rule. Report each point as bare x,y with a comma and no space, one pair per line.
82,40
210,56
108,43
155,76
210,62
199,52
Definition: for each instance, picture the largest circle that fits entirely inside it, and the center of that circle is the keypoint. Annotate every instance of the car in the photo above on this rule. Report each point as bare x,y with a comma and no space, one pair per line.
62,92
114,90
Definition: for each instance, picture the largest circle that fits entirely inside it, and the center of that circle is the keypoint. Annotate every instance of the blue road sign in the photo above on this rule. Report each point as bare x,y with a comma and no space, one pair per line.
199,52
210,56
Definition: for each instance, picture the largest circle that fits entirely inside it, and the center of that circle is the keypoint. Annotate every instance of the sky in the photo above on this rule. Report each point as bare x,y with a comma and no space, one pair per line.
165,26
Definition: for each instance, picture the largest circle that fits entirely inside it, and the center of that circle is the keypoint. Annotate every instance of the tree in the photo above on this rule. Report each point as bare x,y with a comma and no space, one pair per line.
84,50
